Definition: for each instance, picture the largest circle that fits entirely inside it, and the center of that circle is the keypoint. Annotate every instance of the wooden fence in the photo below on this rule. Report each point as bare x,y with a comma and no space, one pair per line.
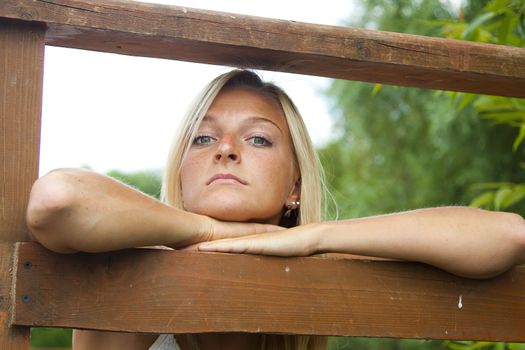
150,291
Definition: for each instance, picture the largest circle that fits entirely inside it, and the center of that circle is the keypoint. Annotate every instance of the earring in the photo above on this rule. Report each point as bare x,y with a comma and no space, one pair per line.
291,207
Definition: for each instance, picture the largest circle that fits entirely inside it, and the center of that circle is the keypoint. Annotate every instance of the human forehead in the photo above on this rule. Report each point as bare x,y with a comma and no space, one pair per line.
247,104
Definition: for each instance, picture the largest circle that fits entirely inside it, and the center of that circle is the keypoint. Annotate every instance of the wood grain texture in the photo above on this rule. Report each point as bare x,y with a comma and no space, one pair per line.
10,337
21,65
145,290
21,69
180,33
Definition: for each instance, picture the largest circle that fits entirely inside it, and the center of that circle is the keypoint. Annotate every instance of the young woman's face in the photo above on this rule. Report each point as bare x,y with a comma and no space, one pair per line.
240,166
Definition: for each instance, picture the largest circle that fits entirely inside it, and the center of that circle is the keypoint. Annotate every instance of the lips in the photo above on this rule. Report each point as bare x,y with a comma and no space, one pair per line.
226,178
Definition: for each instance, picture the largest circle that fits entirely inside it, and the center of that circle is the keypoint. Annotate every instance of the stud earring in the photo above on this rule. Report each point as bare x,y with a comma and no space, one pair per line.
291,207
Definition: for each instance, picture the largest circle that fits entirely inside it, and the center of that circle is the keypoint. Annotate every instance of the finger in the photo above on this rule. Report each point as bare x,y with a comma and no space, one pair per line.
190,248
229,245
233,230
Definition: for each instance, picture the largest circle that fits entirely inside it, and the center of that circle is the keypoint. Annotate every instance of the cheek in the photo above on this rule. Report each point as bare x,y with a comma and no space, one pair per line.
279,174
190,170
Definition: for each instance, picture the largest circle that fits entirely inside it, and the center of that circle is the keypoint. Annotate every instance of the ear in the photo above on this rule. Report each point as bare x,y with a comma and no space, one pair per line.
294,195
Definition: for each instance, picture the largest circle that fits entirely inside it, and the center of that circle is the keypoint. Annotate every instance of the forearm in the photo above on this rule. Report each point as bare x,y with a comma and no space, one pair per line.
464,241
75,210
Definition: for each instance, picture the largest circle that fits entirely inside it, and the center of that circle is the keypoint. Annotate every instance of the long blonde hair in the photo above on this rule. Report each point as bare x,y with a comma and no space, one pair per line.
311,176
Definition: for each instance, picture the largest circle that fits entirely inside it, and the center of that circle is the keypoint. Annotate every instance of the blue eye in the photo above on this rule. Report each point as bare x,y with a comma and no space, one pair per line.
203,140
259,141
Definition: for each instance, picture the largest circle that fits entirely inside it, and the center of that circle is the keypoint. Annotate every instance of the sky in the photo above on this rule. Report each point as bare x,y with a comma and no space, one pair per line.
109,111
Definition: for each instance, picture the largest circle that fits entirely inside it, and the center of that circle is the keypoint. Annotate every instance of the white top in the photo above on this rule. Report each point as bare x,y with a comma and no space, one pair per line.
165,342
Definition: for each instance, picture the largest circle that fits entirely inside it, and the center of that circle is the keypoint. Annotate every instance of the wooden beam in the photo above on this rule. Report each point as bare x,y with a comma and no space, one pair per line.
145,290
132,28
21,64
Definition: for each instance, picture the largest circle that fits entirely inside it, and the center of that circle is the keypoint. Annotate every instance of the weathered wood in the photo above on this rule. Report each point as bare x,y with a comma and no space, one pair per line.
21,64
145,290
172,32
10,337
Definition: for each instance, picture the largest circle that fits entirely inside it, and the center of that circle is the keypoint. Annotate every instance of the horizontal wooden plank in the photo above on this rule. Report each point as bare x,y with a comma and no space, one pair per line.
171,32
145,290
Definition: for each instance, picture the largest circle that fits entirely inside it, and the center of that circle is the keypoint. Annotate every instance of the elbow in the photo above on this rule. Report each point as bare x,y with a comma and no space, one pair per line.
512,238
517,232
52,197
506,250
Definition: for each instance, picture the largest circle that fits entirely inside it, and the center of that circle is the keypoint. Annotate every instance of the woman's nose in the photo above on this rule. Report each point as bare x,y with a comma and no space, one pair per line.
227,150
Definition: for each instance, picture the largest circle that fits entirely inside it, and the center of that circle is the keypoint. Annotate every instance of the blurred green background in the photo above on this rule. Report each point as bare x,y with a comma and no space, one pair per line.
400,148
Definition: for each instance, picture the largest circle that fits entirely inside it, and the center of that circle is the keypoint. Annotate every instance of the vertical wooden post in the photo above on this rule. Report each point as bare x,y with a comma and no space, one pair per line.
21,68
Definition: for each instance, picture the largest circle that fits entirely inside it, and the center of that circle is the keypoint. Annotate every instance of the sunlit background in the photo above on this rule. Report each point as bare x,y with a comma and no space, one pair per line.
109,111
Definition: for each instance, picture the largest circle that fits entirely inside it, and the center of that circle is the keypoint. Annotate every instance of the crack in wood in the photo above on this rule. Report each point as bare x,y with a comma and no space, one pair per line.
53,3
425,52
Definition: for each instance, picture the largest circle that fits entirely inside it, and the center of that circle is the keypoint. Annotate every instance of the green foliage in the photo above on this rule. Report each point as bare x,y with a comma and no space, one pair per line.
408,148
467,345
146,181
395,146
50,337
499,22
348,343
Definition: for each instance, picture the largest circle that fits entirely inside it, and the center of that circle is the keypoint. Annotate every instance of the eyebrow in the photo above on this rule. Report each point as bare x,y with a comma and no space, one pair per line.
250,120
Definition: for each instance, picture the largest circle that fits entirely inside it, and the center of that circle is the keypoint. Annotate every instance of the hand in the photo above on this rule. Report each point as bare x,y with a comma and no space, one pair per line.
297,241
222,229
213,229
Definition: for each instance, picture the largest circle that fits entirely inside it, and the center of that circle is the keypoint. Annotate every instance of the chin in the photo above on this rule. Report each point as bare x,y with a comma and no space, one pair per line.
224,214
231,213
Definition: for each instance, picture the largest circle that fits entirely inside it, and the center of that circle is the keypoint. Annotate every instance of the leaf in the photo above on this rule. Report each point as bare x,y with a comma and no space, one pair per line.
499,346
458,346
516,346
471,345
518,103
492,103
504,30
519,139
376,89
497,5
513,118
500,196
475,24
483,201
466,99
453,97
517,195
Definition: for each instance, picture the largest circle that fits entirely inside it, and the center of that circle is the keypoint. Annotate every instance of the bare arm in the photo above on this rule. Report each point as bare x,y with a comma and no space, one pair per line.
465,241
76,210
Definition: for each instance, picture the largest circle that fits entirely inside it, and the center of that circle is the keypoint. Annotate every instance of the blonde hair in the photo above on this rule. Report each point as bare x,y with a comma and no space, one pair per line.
312,193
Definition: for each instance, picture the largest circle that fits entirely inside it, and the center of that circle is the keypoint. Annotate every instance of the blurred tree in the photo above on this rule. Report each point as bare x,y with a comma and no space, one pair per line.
50,338
403,148
146,181
498,22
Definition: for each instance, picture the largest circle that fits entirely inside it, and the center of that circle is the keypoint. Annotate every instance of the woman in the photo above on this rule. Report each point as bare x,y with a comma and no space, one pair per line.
242,168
